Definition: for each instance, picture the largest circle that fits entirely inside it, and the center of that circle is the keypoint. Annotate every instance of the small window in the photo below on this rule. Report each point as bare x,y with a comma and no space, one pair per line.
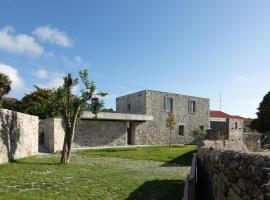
236,125
168,104
202,128
129,107
192,106
181,130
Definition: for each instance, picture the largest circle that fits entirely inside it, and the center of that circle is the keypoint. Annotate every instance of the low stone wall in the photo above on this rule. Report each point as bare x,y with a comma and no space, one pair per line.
231,175
18,135
252,141
249,142
88,133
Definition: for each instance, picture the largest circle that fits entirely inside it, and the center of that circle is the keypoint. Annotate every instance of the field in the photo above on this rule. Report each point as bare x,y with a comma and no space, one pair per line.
122,173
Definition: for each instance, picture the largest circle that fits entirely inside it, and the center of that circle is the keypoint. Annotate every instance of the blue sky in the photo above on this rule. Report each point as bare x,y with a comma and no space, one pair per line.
200,48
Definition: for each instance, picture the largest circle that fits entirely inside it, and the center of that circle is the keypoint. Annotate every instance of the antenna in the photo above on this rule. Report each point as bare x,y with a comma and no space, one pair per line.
220,101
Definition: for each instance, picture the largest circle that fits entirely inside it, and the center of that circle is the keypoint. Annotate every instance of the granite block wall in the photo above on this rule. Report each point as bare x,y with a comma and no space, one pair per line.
18,135
153,103
232,175
88,133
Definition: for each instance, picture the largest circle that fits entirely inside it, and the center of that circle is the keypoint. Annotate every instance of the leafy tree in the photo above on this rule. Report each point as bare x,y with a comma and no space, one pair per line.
199,135
5,86
262,123
170,125
71,106
40,103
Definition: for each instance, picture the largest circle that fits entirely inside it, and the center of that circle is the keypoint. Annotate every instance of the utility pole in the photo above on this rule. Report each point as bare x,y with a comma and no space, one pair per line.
220,101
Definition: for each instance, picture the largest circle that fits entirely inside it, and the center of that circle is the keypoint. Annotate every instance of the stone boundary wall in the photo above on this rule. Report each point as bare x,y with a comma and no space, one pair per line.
249,142
18,135
88,133
232,175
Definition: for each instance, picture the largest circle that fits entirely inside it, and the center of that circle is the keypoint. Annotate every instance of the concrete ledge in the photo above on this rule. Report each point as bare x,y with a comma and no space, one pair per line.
116,116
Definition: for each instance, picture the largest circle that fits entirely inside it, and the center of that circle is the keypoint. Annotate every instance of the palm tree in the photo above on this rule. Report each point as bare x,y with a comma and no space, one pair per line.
5,85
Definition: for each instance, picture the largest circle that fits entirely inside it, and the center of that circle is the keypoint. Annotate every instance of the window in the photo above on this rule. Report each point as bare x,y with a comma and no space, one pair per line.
202,128
129,107
168,104
181,130
236,125
192,106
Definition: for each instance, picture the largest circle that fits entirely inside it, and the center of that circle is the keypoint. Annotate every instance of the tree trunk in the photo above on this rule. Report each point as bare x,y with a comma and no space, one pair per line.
170,139
69,134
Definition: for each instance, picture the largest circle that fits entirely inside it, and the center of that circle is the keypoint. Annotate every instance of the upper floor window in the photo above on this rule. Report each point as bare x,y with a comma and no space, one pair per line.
168,104
192,106
129,107
236,125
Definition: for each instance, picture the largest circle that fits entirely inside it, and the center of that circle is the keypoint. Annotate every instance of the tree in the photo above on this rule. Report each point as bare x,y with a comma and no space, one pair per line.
199,135
171,125
5,86
262,123
40,103
70,107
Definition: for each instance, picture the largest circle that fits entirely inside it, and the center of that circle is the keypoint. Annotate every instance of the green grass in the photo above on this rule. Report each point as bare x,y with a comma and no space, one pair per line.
180,154
133,173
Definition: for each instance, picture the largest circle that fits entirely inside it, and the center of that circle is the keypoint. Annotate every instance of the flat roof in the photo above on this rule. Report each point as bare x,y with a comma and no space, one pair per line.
170,93
117,116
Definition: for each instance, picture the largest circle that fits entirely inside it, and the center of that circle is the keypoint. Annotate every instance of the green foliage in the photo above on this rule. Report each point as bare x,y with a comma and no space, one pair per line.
262,123
41,102
69,103
5,86
170,121
199,134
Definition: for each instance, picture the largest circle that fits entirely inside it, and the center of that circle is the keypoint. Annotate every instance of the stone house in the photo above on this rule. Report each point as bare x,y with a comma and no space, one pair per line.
230,126
140,119
190,112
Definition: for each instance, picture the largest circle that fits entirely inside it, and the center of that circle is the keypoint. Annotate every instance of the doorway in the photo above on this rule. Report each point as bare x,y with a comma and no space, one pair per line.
130,134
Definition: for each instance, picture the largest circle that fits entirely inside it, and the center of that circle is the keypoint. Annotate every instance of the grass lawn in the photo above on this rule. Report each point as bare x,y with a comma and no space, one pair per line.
126,173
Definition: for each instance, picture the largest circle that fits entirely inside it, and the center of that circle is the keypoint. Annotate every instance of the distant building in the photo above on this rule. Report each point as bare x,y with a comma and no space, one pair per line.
230,126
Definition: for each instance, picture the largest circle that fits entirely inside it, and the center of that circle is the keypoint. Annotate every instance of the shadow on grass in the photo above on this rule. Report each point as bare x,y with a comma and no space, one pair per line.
182,160
20,162
158,189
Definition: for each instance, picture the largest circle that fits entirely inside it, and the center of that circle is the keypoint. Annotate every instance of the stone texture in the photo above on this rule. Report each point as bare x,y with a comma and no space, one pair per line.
18,135
88,133
152,103
53,134
230,175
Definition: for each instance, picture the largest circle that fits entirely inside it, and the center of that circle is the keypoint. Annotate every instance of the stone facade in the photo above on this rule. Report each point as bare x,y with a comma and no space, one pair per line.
18,135
91,133
53,134
88,133
232,175
153,103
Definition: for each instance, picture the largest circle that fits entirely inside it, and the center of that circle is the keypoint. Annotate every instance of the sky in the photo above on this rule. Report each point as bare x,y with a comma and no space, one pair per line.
199,48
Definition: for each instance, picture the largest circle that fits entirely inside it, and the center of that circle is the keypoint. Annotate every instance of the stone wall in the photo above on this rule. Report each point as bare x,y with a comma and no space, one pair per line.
18,135
232,175
53,134
153,103
91,133
88,133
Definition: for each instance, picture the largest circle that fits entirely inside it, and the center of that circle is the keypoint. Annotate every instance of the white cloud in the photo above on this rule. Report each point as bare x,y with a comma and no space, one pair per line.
20,43
56,80
52,35
17,82
41,74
